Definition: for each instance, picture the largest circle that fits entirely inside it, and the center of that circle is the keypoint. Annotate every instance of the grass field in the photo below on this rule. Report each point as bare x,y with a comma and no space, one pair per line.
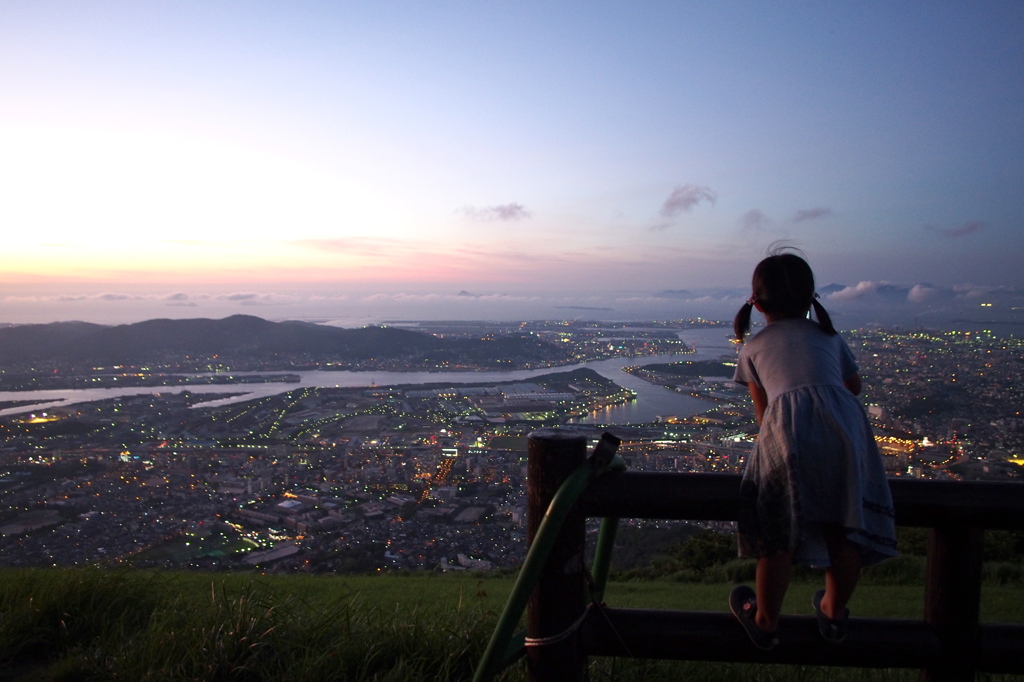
180,549
80,625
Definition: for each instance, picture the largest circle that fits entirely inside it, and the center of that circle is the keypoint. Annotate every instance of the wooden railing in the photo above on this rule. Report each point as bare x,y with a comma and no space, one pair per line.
566,623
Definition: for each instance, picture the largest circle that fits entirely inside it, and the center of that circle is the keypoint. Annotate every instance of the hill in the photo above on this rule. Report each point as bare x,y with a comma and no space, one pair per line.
248,336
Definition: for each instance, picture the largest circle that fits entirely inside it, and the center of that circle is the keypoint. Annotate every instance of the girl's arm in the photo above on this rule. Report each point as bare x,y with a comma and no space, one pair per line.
760,397
852,382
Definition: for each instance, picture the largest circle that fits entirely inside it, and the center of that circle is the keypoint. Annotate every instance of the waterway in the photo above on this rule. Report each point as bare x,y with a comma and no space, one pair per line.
651,401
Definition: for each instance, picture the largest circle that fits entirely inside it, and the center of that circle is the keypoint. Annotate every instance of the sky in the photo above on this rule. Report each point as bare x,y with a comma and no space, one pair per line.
354,161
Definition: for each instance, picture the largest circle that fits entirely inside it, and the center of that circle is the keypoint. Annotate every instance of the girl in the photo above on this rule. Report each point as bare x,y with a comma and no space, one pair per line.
814,490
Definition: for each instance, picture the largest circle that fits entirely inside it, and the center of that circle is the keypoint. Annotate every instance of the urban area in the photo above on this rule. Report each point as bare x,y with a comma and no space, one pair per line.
433,476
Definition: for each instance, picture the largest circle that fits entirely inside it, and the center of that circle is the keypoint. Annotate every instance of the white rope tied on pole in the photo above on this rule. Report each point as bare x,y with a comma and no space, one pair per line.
561,636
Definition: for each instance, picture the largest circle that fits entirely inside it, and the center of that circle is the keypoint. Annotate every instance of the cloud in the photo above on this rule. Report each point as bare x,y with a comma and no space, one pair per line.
403,259
860,290
812,214
243,297
1002,292
755,220
362,246
920,293
708,299
685,198
71,298
179,296
502,212
460,297
403,297
506,255
957,232
18,300
322,297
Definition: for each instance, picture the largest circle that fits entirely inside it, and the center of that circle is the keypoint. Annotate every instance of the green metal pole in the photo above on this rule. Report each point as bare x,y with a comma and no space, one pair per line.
603,556
497,656
493,659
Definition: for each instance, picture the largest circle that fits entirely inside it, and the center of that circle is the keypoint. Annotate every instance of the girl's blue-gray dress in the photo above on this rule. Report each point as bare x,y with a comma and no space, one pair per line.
815,461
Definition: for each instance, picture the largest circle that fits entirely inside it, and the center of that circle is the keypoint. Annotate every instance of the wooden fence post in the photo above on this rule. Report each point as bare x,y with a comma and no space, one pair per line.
952,600
559,599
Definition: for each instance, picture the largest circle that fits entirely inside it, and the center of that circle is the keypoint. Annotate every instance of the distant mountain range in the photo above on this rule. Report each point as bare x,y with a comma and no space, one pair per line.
247,336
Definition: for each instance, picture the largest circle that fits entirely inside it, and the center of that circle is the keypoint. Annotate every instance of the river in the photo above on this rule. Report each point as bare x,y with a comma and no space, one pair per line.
651,401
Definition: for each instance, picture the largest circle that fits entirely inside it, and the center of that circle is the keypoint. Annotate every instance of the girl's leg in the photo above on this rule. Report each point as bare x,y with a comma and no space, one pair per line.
773,574
841,578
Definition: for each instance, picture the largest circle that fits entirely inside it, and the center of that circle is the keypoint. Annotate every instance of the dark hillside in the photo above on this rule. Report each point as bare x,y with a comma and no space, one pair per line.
246,336
252,336
236,335
514,348
32,341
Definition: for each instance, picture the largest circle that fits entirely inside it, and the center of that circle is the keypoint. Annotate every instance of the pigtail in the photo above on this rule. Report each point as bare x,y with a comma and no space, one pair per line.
824,321
741,323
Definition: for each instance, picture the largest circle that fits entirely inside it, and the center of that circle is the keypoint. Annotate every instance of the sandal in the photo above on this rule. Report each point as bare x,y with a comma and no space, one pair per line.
831,629
743,603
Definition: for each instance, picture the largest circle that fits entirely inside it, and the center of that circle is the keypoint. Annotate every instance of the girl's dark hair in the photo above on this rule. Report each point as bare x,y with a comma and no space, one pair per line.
783,285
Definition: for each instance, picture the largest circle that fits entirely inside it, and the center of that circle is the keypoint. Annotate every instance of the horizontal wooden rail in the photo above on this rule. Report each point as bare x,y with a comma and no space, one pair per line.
948,644
1001,648
700,636
712,497
872,642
